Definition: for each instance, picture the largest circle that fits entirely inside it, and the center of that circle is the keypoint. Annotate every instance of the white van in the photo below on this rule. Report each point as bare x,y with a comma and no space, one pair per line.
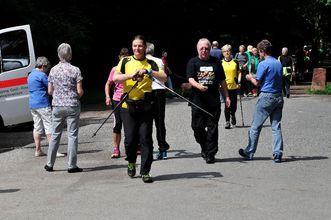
17,59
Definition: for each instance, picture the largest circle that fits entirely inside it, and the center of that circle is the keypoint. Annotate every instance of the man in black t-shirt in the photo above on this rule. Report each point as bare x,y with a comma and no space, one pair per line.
205,73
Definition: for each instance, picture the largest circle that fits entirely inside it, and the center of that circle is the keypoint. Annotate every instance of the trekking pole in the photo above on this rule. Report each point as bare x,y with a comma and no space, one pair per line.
116,107
172,91
241,109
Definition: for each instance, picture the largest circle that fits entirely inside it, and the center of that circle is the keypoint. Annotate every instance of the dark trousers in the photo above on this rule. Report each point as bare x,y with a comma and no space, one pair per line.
286,85
233,107
138,128
159,98
205,129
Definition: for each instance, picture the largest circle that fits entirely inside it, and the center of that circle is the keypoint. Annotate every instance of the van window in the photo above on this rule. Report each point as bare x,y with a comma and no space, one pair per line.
14,51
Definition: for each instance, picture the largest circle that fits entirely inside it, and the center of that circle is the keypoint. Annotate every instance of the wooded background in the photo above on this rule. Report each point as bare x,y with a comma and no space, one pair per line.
97,30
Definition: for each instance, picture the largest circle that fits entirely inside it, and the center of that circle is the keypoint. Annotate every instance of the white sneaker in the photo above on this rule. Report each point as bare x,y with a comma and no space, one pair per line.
39,153
59,154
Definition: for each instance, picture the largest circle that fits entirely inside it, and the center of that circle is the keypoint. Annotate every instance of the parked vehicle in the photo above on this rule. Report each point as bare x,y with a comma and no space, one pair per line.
17,59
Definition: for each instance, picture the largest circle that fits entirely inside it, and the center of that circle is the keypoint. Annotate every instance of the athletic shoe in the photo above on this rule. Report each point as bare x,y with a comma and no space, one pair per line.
165,155
131,169
244,155
227,125
233,120
162,155
116,153
277,158
39,153
48,168
75,170
59,154
147,178
210,159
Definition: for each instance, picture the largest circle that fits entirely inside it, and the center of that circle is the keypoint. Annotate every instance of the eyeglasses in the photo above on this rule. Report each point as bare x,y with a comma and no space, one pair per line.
204,48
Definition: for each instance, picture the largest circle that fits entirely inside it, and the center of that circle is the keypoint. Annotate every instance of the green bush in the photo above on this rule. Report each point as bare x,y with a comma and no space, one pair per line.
327,91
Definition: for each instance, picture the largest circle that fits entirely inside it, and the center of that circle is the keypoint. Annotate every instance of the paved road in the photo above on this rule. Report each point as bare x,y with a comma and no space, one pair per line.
185,186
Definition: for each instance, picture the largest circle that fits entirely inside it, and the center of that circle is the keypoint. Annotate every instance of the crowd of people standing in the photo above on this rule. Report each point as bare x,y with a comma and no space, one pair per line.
139,99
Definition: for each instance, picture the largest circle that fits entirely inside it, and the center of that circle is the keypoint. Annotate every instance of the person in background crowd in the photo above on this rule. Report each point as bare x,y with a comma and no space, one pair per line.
167,70
254,63
118,88
232,78
66,86
159,103
215,51
39,104
288,68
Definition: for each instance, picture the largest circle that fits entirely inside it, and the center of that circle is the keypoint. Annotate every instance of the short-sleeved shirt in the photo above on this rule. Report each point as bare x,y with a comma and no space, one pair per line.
231,68
118,89
156,83
269,73
38,84
131,65
64,78
216,52
209,73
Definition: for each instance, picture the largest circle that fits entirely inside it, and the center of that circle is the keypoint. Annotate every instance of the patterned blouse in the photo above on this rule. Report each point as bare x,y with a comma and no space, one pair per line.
64,78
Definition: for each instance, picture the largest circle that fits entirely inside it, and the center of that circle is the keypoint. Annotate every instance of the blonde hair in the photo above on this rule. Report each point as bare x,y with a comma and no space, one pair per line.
226,47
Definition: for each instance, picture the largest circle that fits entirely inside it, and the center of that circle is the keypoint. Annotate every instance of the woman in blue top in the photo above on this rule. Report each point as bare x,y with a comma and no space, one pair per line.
39,103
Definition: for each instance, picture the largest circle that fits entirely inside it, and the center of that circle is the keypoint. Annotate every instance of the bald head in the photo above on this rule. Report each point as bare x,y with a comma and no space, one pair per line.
215,44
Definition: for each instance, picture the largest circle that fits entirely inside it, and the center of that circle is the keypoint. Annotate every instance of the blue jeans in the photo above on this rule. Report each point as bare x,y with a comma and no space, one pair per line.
268,105
59,116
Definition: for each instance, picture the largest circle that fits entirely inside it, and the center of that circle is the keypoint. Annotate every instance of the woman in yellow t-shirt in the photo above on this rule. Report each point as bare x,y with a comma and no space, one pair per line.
233,77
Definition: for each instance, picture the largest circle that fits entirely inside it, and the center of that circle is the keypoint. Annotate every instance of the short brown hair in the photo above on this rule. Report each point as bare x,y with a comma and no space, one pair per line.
265,46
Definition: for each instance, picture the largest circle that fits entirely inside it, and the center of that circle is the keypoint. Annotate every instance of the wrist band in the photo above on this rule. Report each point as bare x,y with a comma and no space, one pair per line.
149,72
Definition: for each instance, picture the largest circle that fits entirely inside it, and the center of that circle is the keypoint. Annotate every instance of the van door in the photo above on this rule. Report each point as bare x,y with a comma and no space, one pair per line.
17,59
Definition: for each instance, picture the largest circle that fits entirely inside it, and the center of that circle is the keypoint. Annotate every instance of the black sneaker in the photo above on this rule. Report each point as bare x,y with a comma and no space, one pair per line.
48,168
131,169
75,170
233,120
227,125
147,178
244,155
277,158
203,155
210,159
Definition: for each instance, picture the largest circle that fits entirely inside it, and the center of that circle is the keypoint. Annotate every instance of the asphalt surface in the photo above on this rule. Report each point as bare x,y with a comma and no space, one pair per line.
185,187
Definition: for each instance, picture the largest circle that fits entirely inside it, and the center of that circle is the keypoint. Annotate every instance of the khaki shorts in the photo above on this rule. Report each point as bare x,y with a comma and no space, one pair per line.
42,120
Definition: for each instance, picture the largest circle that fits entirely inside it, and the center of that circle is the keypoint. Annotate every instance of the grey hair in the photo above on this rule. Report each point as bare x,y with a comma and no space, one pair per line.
64,52
204,39
42,61
150,48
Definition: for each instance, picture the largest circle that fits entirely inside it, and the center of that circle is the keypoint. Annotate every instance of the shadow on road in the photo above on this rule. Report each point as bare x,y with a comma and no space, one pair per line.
303,158
9,190
108,167
192,175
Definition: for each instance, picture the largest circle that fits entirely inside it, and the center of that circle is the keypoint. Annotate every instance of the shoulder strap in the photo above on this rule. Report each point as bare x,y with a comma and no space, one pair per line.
125,60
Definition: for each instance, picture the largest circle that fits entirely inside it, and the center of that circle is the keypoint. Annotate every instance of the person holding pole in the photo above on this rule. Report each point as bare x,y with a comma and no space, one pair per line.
118,88
136,111
159,103
233,78
205,73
